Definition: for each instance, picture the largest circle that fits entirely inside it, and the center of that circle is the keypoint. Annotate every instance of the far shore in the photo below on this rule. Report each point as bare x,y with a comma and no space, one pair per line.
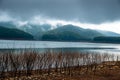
62,41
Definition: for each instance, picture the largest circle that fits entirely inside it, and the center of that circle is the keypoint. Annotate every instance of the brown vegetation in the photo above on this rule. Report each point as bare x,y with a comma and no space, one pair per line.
31,65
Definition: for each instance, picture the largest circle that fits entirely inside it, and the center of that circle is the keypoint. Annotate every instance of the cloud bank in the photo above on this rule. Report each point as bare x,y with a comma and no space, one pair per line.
93,14
85,11
41,20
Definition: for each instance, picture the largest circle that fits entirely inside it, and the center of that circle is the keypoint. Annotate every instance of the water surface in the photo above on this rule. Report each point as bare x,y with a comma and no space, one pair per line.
58,46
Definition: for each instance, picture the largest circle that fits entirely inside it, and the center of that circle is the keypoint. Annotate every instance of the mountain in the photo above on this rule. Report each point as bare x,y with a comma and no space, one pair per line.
109,37
46,32
12,33
70,33
109,33
35,30
8,24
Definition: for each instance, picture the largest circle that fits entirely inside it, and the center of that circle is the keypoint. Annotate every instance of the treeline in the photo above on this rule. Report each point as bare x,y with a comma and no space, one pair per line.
30,63
107,39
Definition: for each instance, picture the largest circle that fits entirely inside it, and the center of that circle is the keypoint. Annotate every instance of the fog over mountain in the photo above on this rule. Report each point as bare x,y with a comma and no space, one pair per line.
59,32
92,14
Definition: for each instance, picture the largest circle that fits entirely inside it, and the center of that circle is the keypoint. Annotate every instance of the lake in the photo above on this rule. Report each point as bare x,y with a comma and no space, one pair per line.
58,46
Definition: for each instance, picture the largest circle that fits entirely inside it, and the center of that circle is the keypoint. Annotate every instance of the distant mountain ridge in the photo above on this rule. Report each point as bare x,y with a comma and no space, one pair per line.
11,33
8,24
109,33
35,30
70,33
61,33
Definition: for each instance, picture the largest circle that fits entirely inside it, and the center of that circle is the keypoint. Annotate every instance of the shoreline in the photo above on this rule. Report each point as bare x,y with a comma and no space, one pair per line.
64,41
59,65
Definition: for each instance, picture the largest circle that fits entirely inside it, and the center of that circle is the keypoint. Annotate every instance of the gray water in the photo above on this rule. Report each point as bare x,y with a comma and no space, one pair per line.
67,46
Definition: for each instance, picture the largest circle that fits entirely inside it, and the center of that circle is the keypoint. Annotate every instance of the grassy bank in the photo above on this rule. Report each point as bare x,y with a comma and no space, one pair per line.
31,65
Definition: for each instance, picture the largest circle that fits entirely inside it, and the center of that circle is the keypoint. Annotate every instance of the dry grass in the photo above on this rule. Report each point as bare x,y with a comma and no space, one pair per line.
102,73
59,66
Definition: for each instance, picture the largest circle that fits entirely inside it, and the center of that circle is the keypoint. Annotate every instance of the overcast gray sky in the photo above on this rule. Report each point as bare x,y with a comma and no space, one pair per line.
90,11
95,14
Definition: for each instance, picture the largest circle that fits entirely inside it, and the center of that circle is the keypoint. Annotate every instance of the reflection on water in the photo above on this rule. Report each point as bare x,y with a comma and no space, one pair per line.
42,46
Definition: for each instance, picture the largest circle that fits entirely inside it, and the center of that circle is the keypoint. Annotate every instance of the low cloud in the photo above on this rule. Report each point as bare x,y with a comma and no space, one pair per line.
4,17
43,20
